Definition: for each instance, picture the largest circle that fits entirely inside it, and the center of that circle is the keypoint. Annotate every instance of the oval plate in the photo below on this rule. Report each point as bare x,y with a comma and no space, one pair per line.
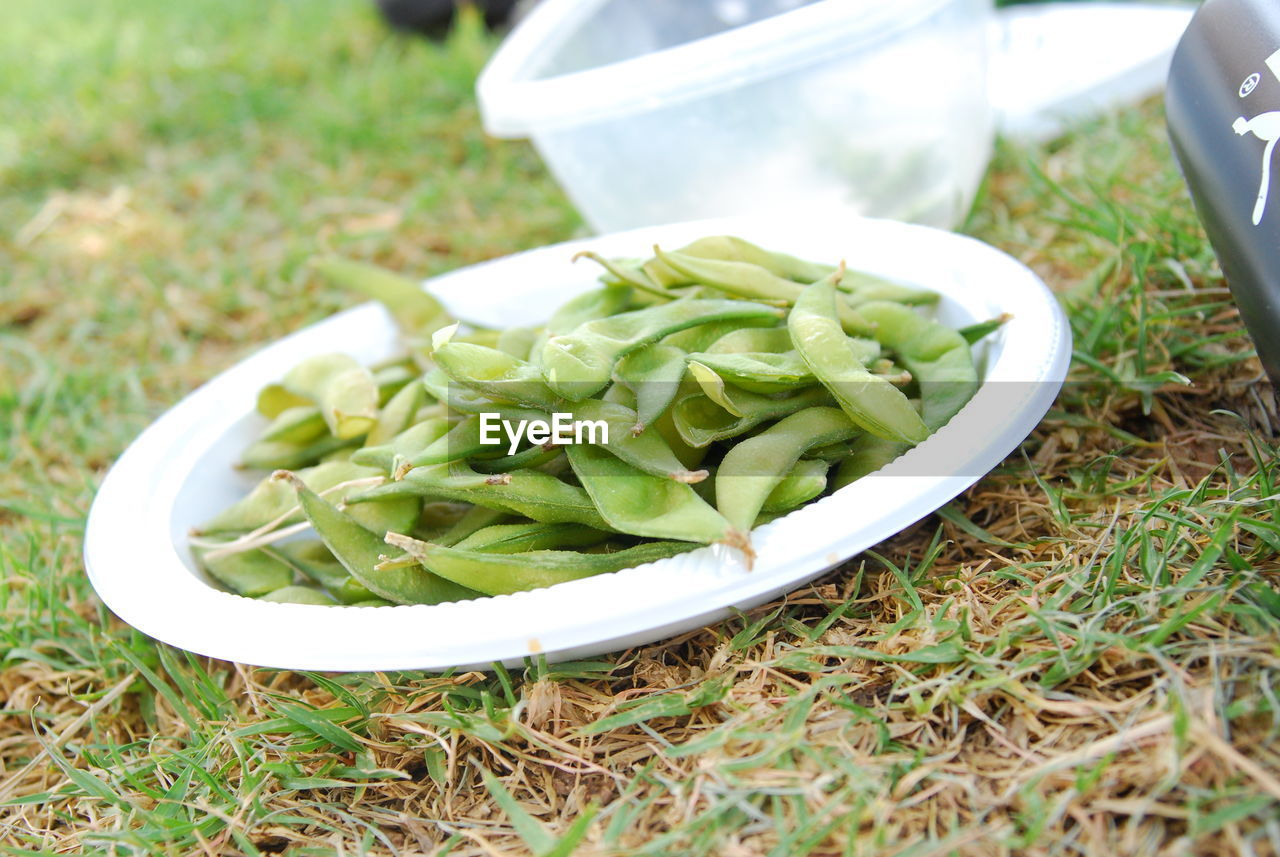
179,471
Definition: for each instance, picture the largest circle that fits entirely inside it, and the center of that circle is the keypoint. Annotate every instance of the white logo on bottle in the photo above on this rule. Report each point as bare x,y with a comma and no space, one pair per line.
1266,127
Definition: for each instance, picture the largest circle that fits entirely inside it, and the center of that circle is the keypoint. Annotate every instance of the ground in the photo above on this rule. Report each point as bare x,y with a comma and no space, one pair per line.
1077,656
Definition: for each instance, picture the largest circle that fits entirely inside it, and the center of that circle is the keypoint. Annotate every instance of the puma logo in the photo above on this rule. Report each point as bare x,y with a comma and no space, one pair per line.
1264,126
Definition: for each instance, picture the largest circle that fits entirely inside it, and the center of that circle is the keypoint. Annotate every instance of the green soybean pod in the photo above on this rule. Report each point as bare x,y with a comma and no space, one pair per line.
273,400
345,392
937,357
250,573
269,501
871,402
626,273
579,364
754,467
728,248
317,562
278,455
299,594
975,333
701,337
589,306
461,441
502,574
743,340
751,282
701,422
652,374
531,493
635,502
942,365
415,311
646,451
860,287
397,414
301,424
454,397
806,480
360,550
412,440
759,372
495,374
533,536
531,456
472,521
518,341
618,394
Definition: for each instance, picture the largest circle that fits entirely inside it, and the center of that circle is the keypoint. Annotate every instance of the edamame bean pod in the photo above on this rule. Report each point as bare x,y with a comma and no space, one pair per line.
276,455
397,414
714,388
502,574
534,536
271,500
937,357
807,480
652,374
860,287
533,456
646,451
701,421
298,425
455,397
273,400
752,282
758,372
626,273
298,594
589,306
531,493
580,364
345,392
870,401
416,312
250,573
975,333
728,248
641,504
412,440
518,341
754,467
942,365
743,340
472,521
495,374
317,562
360,550
702,336
617,394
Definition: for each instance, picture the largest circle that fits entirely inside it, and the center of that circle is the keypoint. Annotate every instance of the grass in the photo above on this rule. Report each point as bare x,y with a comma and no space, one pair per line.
1077,656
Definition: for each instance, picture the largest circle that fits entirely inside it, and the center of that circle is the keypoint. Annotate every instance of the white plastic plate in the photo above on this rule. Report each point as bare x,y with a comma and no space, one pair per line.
179,471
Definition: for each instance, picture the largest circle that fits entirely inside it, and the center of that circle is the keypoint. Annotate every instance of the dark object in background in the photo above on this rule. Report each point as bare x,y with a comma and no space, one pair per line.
433,17
1223,108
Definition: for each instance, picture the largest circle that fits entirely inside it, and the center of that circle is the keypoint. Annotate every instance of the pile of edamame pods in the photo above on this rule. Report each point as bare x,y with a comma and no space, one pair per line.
731,385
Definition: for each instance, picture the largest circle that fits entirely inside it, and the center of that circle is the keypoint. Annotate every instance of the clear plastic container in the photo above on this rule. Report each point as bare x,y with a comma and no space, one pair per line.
652,111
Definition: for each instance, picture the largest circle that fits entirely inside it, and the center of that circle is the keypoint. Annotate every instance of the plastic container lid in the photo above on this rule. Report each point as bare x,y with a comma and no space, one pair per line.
515,103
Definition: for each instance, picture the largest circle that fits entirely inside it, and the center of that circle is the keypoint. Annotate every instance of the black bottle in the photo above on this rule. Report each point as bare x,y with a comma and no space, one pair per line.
1223,109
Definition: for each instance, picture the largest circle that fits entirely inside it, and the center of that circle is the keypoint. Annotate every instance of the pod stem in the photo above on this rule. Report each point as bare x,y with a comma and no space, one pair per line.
741,541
